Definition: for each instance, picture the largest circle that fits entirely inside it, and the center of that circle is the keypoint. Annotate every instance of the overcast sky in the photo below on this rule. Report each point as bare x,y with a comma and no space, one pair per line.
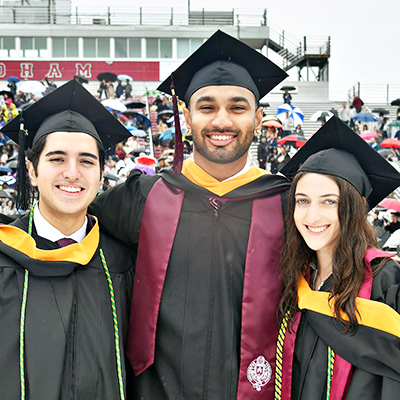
364,45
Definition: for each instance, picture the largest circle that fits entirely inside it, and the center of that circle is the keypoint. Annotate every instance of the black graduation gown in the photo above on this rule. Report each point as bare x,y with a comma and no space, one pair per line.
311,352
197,349
69,333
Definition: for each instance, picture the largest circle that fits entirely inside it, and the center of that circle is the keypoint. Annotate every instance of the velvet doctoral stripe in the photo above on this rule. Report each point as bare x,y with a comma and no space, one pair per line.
157,233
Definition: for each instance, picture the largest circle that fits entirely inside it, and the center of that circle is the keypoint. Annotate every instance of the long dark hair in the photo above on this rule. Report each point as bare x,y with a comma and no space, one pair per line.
348,269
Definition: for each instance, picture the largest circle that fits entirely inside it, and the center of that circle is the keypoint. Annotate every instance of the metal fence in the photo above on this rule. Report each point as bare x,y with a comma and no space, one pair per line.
129,15
376,93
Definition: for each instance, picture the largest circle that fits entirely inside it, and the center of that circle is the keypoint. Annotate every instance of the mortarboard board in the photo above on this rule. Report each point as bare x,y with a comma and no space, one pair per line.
73,97
70,108
337,150
224,60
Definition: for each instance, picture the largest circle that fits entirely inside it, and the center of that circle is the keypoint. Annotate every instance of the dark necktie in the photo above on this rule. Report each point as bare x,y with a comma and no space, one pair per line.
66,242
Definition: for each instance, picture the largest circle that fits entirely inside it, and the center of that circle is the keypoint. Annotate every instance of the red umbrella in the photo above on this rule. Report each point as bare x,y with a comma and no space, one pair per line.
272,124
390,143
368,135
293,140
146,160
391,204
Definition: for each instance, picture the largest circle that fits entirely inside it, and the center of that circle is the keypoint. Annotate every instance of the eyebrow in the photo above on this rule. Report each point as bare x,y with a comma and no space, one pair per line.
236,99
324,195
63,153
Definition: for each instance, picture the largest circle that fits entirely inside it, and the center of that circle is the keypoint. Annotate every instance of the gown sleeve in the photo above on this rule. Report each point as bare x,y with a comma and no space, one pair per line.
120,209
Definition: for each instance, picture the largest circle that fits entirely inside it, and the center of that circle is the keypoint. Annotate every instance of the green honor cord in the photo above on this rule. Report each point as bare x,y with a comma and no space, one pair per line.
279,362
22,322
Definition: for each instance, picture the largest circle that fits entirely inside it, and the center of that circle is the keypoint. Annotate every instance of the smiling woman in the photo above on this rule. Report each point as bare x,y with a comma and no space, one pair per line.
333,272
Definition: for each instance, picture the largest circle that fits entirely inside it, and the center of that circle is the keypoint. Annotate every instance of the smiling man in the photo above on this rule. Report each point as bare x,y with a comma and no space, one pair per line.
65,289
203,317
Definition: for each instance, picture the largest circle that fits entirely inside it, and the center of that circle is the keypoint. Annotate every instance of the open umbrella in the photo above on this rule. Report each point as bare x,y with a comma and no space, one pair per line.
272,124
146,121
137,152
31,87
8,93
390,204
288,88
166,112
110,176
135,104
380,111
137,132
12,79
12,164
394,123
145,169
8,179
395,102
365,117
293,140
386,152
130,112
368,135
81,79
4,194
321,115
114,104
390,143
5,170
167,134
294,112
123,77
146,160
108,76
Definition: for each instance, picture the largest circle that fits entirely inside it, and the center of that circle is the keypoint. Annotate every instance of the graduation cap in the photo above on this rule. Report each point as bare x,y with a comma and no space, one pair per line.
224,60
73,97
337,150
221,61
70,108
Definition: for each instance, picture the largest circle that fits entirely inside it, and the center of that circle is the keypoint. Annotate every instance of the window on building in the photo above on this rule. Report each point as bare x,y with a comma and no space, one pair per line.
185,47
72,47
34,46
135,48
89,47
121,48
65,47
103,47
96,47
165,48
7,45
159,48
128,48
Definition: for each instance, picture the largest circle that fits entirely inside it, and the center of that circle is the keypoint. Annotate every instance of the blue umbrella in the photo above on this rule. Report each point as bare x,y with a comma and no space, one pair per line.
365,117
5,169
12,79
167,134
147,122
136,132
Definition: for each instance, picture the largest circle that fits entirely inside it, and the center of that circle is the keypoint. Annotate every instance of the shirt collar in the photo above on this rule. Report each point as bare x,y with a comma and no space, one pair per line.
47,231
241,172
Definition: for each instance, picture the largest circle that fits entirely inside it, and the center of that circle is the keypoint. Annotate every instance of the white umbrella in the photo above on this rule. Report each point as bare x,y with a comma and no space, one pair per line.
394,240
114,104
31,87
123,78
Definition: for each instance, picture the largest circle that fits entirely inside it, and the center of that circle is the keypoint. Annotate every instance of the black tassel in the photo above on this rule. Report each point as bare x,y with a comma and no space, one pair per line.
23,185
178,153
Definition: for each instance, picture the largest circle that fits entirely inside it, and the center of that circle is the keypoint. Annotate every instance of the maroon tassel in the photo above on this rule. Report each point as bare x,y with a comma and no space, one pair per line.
178,153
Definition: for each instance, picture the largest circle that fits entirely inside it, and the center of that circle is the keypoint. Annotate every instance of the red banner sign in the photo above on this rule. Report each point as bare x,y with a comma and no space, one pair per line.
65,70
